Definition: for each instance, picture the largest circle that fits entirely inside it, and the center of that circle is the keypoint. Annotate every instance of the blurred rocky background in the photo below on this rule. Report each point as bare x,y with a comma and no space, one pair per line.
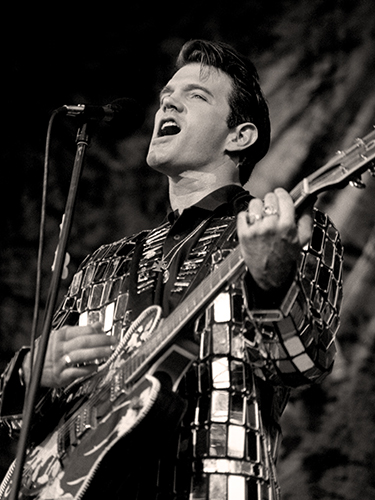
316,60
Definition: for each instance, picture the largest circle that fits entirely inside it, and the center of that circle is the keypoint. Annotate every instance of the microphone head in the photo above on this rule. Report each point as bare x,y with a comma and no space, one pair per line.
128,116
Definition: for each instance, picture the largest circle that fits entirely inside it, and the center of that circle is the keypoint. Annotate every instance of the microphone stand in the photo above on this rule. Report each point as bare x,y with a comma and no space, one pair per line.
82,141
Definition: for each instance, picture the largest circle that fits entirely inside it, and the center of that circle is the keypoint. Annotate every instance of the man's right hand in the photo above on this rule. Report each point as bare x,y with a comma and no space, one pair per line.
72,352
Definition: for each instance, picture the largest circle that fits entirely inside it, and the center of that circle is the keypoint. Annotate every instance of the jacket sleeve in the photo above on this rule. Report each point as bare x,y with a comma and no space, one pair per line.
293,341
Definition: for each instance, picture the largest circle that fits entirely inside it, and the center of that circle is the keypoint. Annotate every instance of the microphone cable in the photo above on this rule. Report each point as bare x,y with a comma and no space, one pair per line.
42,227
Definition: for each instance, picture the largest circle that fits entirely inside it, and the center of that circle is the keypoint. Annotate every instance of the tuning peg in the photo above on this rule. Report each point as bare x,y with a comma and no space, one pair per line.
357,183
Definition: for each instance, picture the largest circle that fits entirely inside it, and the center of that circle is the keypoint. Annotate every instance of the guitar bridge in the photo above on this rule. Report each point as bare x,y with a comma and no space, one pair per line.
117,385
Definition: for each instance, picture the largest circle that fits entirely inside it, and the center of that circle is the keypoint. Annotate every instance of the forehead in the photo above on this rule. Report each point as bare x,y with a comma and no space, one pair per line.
214,79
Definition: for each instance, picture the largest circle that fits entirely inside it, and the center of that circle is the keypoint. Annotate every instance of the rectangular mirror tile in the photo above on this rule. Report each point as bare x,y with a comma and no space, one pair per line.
253,414
121,306
236,441
220,338
222,309
96,296
219,406
236,488
237,372
237,413
253,446
108,316
218,440
218,487
220,373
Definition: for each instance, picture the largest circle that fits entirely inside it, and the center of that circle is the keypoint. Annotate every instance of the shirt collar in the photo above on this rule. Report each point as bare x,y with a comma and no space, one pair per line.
213,200
219,197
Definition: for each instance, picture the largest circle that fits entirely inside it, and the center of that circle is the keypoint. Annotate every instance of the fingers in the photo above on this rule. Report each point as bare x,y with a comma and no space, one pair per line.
305,228
271,205
74,352
90,336
87,345
74,332
69,374
275,212
262,214
286,207
88,356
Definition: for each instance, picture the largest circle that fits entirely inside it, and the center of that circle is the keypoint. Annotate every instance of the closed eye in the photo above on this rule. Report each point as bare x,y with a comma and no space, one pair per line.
199,96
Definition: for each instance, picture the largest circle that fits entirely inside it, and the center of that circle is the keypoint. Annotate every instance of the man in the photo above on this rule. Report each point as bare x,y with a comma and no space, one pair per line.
268,330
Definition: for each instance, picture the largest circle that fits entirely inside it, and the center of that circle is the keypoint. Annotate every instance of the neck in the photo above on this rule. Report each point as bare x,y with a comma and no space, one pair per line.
192,186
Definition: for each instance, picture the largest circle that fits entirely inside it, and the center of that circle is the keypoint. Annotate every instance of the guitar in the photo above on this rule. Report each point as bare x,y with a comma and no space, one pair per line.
97,414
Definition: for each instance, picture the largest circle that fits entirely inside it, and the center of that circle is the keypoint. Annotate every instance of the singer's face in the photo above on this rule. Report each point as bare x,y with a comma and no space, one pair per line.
190,129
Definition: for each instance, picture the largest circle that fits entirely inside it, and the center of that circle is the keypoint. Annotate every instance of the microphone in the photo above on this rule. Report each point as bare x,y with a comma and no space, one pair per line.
125,114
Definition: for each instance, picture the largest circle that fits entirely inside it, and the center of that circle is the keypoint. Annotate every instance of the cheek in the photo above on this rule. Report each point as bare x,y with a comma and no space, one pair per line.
211,135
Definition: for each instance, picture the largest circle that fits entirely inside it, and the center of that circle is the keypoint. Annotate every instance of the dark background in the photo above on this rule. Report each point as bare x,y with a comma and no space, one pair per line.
316,60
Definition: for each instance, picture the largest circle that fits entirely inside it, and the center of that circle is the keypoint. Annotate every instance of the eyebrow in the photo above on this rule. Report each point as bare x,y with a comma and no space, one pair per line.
190,86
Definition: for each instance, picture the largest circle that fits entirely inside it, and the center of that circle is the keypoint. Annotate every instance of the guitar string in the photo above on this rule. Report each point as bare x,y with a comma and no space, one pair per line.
71,423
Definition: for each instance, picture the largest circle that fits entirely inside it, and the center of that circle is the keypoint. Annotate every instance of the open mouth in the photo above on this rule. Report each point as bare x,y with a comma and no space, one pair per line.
169,127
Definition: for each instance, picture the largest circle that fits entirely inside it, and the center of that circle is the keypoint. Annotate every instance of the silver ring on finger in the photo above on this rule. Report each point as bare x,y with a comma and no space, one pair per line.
270,210
67,361
93,362
253,218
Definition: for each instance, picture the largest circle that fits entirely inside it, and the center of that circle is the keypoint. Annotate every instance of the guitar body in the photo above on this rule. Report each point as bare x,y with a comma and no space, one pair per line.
99,422
148,414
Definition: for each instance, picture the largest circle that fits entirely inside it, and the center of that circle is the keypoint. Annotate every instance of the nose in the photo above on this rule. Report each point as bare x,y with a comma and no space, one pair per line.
171,101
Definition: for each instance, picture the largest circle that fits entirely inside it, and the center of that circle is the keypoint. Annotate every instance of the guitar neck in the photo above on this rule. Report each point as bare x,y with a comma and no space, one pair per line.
226,272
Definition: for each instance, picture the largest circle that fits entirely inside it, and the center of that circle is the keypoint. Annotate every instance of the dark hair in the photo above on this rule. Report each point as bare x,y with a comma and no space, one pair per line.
246,101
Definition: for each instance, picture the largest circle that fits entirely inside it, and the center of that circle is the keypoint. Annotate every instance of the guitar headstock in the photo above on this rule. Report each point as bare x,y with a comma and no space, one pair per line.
346,167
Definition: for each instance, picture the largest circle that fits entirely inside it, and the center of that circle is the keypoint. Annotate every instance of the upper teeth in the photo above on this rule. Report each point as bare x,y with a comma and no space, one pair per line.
169,123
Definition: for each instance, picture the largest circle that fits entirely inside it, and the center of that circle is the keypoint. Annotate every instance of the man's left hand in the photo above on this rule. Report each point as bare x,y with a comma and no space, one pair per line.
271,238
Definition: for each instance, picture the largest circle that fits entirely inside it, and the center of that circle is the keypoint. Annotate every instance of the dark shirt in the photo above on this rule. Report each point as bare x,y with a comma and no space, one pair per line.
227,200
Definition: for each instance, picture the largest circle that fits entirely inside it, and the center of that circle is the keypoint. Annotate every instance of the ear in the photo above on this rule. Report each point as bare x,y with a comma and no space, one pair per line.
241,137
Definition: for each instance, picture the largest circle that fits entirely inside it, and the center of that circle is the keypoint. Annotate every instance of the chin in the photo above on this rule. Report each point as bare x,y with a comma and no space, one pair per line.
151,159
156,163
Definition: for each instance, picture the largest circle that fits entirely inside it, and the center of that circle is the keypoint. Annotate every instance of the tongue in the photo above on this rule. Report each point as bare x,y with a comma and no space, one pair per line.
170,130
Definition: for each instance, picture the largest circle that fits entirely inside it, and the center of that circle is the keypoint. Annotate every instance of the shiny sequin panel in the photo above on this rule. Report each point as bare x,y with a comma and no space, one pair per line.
198,253
231,446
98,291
297,344
152,251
